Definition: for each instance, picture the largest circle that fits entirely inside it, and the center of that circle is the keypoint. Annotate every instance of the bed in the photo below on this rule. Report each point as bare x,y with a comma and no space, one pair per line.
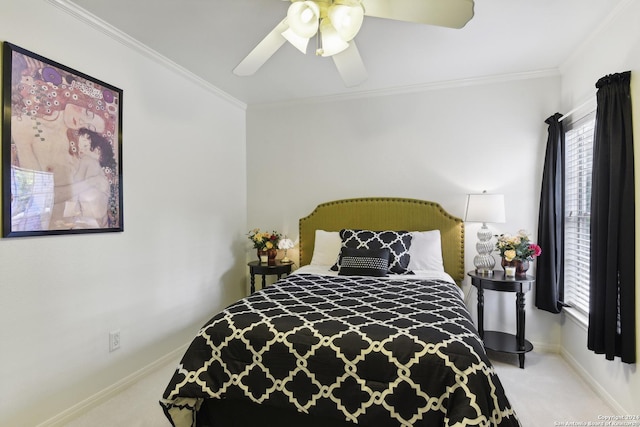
371,330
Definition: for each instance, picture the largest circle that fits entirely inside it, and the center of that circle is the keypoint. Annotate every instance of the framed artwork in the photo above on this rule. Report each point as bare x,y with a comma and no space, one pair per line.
61,149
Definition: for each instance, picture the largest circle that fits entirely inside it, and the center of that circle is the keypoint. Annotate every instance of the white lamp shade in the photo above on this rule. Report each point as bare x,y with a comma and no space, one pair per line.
485,208
285,244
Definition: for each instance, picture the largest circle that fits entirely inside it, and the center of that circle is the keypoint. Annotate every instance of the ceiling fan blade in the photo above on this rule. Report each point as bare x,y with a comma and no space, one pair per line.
443,13
263,51
350,65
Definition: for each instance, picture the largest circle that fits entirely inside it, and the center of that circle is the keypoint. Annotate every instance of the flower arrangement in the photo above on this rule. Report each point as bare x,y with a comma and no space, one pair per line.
518,247
264,240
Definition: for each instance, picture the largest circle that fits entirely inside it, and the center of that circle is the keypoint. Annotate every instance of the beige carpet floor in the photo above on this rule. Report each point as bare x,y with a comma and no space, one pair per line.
546,393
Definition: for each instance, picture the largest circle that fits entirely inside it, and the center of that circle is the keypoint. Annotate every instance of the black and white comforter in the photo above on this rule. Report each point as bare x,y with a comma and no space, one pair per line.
374,351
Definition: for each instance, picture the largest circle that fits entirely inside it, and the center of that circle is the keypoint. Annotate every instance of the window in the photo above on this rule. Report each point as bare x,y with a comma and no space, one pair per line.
578,166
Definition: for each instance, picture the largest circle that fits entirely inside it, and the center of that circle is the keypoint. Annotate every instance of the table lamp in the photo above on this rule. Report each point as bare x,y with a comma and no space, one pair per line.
285,244
485,208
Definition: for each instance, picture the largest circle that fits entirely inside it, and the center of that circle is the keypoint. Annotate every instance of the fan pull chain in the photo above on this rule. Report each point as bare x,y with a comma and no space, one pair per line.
318,44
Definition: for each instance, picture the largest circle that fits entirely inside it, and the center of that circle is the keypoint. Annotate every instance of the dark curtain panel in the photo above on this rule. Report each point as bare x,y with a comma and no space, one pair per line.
549,265
612,275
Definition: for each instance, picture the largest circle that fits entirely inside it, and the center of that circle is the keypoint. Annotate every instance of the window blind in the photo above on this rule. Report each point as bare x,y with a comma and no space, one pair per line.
578,166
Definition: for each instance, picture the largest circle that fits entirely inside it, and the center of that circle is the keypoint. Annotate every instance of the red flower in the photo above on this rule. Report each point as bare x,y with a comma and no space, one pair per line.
537,250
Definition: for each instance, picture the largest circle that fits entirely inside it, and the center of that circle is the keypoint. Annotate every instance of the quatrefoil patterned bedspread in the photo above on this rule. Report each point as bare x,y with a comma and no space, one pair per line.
374,351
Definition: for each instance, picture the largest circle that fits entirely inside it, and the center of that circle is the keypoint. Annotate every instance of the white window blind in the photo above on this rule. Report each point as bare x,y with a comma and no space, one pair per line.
578,166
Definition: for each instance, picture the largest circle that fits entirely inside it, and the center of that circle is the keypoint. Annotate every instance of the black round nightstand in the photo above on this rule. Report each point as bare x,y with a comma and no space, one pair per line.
263,269
502,341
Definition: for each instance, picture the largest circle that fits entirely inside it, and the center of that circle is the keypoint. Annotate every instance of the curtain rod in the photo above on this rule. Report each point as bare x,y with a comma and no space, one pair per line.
579,107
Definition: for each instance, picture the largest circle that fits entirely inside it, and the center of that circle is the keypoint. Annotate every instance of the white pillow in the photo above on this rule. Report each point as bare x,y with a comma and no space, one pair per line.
426,251
327,248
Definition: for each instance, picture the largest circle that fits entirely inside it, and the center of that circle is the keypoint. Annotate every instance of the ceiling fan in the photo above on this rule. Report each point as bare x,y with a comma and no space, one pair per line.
336,23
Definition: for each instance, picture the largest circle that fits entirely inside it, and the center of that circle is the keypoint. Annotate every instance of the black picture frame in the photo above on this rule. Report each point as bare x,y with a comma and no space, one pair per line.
61,149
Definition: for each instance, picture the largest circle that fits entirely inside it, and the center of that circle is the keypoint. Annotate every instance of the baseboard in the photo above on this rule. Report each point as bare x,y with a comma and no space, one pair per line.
581,321
592,383
582,373
102,396
546,347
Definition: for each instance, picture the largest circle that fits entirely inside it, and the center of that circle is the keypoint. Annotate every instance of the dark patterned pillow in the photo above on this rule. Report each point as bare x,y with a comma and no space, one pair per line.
364,262
398,243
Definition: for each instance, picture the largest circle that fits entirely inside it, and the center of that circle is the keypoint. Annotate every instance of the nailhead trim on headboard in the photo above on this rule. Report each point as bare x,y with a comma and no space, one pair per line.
387,213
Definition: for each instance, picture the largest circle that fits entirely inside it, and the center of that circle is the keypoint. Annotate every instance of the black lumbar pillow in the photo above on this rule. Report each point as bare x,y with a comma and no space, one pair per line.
364,262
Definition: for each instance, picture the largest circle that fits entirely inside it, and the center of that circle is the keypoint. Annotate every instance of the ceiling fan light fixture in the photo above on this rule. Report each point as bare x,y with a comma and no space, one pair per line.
332,42
346,20
303,18
339,21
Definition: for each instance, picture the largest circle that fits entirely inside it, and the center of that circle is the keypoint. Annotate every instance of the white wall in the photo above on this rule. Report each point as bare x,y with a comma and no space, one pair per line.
614,48
187,188
438,144
175,264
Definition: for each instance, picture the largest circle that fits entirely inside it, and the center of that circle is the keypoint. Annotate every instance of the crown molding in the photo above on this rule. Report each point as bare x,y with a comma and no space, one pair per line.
588,41
426,87
85,16
128,41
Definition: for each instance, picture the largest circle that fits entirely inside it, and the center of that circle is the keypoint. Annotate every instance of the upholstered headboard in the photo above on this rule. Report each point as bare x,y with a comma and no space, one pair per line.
384,213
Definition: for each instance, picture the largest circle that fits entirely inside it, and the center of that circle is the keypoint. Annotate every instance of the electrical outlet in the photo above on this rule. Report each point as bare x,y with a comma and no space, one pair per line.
114,340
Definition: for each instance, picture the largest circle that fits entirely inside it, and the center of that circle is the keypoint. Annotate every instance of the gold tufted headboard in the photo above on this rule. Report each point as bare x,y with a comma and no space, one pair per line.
385,213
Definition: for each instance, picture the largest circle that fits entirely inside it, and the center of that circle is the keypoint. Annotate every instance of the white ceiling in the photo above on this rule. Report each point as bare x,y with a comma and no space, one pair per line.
210,37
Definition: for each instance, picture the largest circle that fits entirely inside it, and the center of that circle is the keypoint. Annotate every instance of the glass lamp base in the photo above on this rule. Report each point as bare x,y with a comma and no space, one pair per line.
484,261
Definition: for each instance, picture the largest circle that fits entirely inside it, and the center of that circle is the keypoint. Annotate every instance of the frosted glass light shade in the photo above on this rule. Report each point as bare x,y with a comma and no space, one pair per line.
332,43
303,18
285,244
347,20
338,24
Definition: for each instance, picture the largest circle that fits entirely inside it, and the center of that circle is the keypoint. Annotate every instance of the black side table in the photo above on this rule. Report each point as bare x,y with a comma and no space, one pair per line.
263,269
501,341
